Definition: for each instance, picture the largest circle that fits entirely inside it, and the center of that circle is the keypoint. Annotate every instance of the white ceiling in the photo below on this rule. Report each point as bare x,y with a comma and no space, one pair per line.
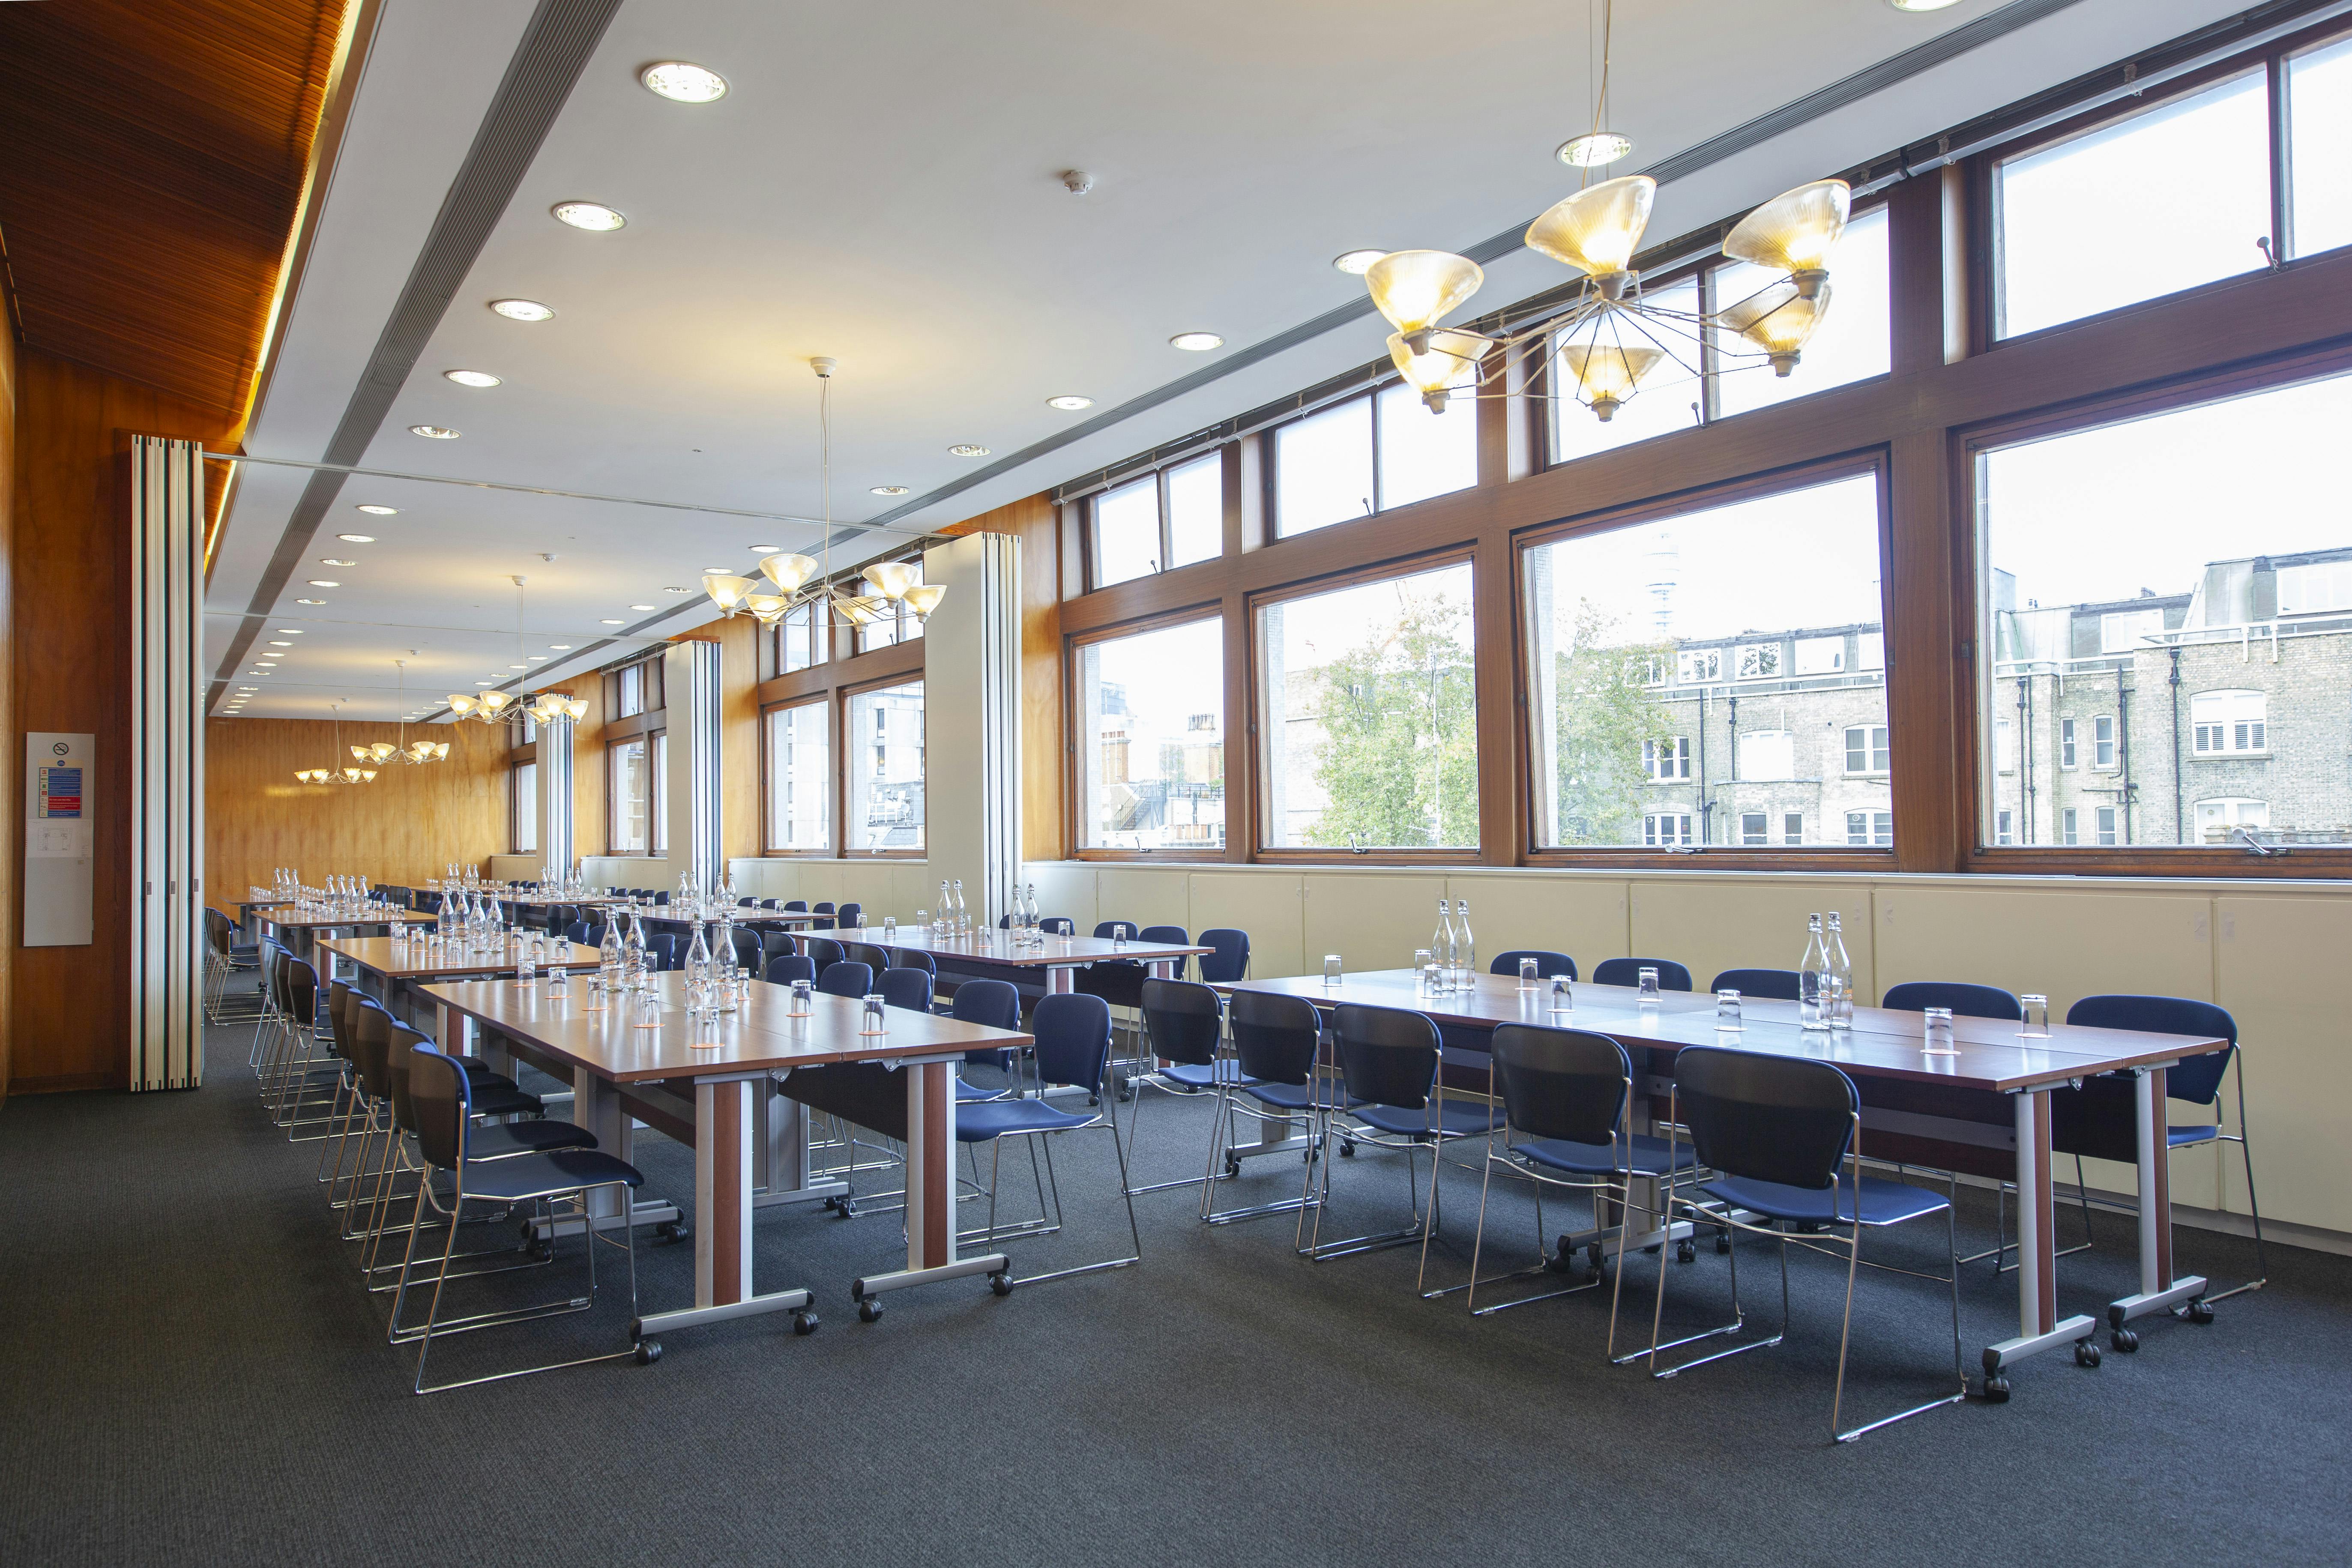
881,185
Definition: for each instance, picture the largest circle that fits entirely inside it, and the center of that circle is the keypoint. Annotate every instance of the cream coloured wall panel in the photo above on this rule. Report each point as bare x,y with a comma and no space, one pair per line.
912,887
2276,960
868,882
1372,920
821,881
1711,924
1583,917
2061,943
1069,889
1142,896
1267,905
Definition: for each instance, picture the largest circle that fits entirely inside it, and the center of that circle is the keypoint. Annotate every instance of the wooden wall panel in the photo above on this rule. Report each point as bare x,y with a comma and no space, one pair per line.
9,774
403,829
1032,521
743,831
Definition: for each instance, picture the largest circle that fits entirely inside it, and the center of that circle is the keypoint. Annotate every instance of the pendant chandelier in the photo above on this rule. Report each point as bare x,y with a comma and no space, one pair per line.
1606,342
352,776
496,707
804,580
405,754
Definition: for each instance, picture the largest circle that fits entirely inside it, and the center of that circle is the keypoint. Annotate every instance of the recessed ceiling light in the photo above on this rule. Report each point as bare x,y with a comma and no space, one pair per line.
1921,5
889,490
967,449
767,550
1595,148
681,82
1197,342
517,667
289,631
257,672
589,215
310,601
356,538
641,607
1069,403
485,683
521,310
678,590
1356,263
322,582
559,647
616,623
471,378
330,561
379,510
535,658
282,645
248,689
434,432
716,571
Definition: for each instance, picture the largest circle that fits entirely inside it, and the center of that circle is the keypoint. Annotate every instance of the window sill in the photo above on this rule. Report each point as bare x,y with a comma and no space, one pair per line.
2230,756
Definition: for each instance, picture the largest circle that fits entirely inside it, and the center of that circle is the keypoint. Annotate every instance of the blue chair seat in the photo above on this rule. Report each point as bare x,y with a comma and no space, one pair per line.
1883,1201
1003,1117
496,1097
1323,1092
543,1176
505,1140
1462,1119
1648,1156
1209,1077
2198,1132
970,1093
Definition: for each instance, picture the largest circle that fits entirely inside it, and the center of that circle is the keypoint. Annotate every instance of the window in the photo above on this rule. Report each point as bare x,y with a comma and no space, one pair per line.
2103,742
2065,742
2319,132
1666,830
1854,341
1792,828
632,798
2067,819
2058,205
2004,829
2227,722
1870,650
2216,819
1754,827
800,640
1169,517
1821,655
2106,821
1370,715
800,783
883,749
1126,531
1668,759
1370,453
2315,588
1875,828
2004,746
1767,756
657,767
2126,630
1726,576
1667,400
630,682
1866,751
1152,743
522,785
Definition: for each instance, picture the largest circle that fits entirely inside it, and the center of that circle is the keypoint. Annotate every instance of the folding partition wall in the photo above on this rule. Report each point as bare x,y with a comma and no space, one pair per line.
167,762
971,719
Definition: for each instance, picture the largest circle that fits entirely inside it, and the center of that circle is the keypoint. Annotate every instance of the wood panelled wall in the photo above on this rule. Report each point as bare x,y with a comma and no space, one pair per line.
1031,520
68,557
403,829
8,770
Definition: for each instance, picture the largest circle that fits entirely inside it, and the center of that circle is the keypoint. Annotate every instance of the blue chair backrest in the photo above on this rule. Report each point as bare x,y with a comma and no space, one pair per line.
770,904
1174,936
1073,1035
1770,1119
1106,928
847,978
1229,960
906,958
666,950
908,988
994,1004
851,917
2197,1079
1058,925
825,908
1966,1000
439,1101
824,950
1387,1055
1672,976
785,968
1547,963
662,898
1779,984
795,906
583,932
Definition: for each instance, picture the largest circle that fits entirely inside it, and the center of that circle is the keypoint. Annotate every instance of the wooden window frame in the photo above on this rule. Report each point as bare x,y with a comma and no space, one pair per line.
822,698
1074,804
620,732
833,681
516,763
839,762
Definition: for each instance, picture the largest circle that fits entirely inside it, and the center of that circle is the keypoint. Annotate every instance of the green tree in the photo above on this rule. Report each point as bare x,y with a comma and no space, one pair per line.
1399,754
1603,713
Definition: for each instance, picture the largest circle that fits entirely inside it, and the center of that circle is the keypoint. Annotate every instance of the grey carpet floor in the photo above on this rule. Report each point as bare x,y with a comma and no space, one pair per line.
192,1372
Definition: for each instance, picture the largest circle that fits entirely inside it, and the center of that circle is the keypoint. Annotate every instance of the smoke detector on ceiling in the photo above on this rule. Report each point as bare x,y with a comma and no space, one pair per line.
1077,182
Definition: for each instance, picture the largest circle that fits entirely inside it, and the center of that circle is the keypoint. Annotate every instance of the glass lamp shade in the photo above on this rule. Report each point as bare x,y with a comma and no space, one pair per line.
310,775
1780,319
380,752
494,702
574,709
924,597
788,572
767,607
1415,288
1606,374
461,703
359,753
859,609
1450,362
891,579
1796,230
726,590
1598,229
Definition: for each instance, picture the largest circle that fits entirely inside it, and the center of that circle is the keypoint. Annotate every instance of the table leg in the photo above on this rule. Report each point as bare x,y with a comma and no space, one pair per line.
2039,1327
2159,1289
1061,979
930,1192
780,1165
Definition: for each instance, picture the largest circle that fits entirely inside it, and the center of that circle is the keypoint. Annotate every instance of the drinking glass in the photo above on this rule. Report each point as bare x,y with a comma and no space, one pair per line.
2036,1025
798,1008
875,1021
1726,1010
1527,974
1563,999
889,930
1118,939
648,1011
923,923
1424,970
1646,990
1939,1033
1330,969
558,985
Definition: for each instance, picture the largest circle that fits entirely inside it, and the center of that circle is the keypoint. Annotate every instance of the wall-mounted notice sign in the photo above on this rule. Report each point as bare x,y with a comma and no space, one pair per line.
59,838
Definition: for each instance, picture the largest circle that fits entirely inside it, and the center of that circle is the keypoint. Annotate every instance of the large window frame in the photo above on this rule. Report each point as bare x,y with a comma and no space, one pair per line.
831,848
832,680
1373,396
1074,776
1160,478
844,720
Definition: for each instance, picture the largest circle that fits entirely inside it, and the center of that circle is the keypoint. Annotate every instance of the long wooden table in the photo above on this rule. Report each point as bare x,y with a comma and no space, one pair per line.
1937,1110
1060,957
399,971
621,1063
304,925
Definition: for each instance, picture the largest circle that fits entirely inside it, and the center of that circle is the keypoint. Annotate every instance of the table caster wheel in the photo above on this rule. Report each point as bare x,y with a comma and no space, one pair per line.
2201,1311
671,1230
1348,1150
1593,1255
1722,1243
1233,1164
833,1205
2124,1340
648,1351
2086,1353
804,1322
869,1311
1001,1282
1686,1252
846,1208
540,1248
1996,1390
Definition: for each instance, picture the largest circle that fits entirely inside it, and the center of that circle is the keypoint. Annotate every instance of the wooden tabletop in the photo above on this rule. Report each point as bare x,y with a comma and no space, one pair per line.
760,1038
292,916
375,954
998,947
1882,1044
740,916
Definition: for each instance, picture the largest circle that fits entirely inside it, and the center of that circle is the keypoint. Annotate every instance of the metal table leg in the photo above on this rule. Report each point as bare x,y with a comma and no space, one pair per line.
2039,1327
723,1188
2159,1289
930,1193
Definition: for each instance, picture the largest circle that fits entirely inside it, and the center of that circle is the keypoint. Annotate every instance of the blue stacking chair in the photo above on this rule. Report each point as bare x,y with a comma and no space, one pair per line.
850,917
1775,985
914,958
1276,1043
666,950
1387,1063
1547,963
994,1005
1184,1026
787,967
825,908
822,950
1073,1049
1783,1138
847,978
1672,976
1965,998
1228,957
908,988
438,1096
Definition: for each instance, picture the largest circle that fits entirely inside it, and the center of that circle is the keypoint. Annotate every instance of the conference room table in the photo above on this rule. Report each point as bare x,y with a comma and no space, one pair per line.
626,1058
1939,1110
300,927
398,970
1000,954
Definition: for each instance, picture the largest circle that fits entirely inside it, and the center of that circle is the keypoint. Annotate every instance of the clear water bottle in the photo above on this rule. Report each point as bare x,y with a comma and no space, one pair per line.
1838,998
610,972
962,912
633,952
1813,974
1441,946
697,960
1465,946
947,912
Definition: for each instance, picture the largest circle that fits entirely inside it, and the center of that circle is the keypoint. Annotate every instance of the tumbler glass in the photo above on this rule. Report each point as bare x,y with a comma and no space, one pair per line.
1526,974
875,1021
1726,1011
890,929
798,1008
1424,970
1646,988
1330,969
1939,1042
2036,1023
1563,998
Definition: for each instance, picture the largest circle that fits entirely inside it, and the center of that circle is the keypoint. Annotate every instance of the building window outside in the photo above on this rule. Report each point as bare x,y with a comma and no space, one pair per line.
2216,819
1370,738
1668,759
2103,742
1767,756
1792,828
800,640
885,743
1874,829
1666,830
1821,655
799,781
1866,751
1759,661
1151,745
523,791
2316,588
2004,831
2107,824
2004,746
2065,742
1169,517
2067,818
2124,631
1754,827
1370,454
2225,722
1693,667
